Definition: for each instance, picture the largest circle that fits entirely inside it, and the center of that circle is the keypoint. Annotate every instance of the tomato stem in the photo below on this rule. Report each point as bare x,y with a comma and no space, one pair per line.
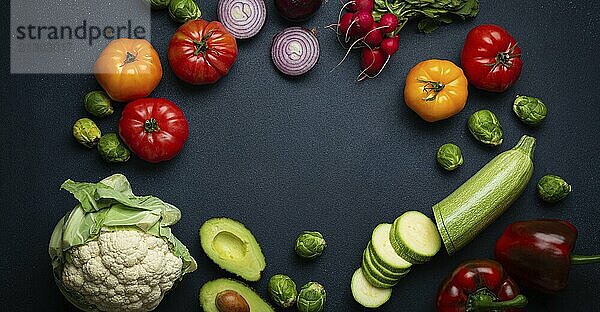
151,125
202,45
129,58
503,58
434,87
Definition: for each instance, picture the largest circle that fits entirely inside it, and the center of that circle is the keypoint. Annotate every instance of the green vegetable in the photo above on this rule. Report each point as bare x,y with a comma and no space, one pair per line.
159,4
449,156
376,277
282,290
431,14
184,10
232,247
384,253
553,188
382,268
485,127
311,298
112,150
310,244
210,290
86,132
414,237
462,215
530,110
366,294
98,104
105,251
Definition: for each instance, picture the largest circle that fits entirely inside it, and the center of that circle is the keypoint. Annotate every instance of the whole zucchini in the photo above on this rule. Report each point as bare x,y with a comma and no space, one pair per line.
462,215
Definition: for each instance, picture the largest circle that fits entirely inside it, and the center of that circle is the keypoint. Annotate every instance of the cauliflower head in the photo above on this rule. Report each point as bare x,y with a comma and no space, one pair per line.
122,271
115,251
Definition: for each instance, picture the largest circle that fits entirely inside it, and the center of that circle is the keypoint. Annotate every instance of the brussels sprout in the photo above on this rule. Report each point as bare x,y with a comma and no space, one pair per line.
112,150
184,10
86,132
485,127
553,188
311,298
310,244
449,156
530,110
158,4
98,104
282,290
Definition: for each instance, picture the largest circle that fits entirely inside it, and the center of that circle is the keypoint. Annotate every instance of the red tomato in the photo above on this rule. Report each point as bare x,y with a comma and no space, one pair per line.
154,129
202,52
491,58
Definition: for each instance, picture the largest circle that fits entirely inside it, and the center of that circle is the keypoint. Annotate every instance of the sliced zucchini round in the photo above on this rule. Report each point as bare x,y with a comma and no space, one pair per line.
383,251
365,294
415,237
368,266
382,269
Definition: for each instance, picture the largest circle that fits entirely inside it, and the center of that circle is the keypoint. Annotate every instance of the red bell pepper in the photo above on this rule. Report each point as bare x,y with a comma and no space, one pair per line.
537,253
479,285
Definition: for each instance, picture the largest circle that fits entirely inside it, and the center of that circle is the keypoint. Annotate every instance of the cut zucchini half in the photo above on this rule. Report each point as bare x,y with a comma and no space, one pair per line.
365,294
367,265
415,237
384,252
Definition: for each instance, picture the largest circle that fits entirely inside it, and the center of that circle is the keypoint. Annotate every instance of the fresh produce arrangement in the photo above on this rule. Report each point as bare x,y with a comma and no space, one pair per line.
537,253
373,26
115,251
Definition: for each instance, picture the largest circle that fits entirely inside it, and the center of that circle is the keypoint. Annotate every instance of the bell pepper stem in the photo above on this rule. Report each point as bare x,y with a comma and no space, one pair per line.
579,259
519,301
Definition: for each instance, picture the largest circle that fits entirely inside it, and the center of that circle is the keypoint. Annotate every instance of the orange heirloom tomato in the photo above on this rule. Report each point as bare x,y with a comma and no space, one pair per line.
128,69
436,89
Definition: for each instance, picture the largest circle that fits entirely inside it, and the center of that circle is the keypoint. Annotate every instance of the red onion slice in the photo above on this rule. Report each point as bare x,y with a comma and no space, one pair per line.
295,51
242,18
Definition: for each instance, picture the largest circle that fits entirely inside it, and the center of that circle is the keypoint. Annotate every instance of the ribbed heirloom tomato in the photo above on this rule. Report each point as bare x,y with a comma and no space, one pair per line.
154,129
128,69
436,89
491,58
202,52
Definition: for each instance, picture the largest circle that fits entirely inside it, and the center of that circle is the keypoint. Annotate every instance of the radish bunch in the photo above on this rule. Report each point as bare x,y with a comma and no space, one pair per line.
358,29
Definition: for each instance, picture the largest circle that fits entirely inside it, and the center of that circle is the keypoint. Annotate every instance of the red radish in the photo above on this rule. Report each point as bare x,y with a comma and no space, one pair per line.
358,5
372,61
374,36
344,24
362,22
390,21
389,46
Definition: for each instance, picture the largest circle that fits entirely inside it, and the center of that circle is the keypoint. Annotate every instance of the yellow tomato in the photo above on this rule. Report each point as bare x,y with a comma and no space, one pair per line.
436,89
128,69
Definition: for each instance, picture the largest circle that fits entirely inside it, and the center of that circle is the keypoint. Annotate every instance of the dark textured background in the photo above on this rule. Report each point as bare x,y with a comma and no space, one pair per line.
319,152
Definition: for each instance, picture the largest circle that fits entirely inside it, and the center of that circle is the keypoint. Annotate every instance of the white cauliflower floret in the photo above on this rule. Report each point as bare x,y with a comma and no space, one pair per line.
122,271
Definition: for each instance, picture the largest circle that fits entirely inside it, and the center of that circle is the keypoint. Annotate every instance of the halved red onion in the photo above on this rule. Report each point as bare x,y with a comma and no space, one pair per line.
295,51
243,18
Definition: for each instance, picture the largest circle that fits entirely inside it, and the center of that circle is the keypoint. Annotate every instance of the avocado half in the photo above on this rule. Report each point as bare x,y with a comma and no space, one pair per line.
231,246
208,294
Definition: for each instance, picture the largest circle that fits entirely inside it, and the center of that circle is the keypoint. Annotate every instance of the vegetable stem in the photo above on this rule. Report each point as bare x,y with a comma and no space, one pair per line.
579,259
526,145
151,125
519,301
